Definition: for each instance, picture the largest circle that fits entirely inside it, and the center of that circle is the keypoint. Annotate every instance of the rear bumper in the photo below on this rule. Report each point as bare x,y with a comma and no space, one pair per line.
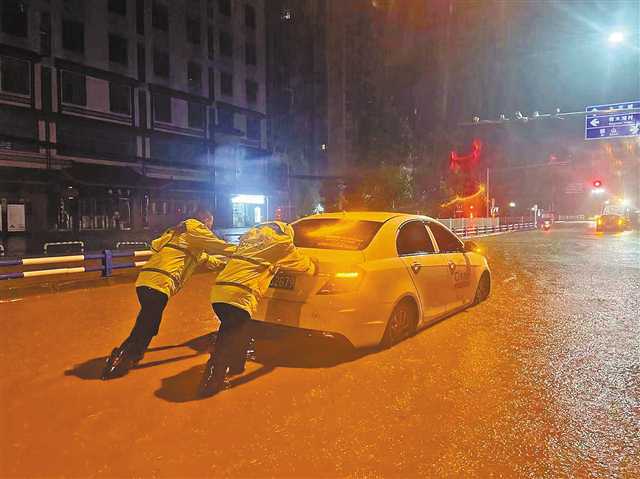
273,331
361,321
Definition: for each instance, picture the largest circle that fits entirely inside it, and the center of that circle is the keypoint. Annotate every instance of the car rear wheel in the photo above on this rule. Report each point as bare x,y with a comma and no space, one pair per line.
402,323
483,290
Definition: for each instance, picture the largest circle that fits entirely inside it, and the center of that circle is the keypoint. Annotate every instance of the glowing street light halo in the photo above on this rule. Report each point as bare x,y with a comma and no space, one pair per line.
616,38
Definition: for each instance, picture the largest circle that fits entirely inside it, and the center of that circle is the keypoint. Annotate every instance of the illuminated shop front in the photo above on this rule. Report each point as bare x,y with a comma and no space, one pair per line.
248,210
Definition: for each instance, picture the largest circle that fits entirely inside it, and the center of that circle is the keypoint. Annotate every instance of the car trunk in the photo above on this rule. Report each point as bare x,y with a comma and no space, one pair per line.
291,286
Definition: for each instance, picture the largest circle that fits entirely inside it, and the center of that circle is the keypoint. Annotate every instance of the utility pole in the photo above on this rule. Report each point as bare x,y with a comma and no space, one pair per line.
487,194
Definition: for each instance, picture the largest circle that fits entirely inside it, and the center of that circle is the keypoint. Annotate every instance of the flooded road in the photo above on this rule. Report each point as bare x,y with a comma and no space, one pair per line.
541,380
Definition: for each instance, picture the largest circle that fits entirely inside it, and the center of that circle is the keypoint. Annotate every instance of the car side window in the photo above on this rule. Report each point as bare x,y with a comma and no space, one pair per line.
447,241
414,239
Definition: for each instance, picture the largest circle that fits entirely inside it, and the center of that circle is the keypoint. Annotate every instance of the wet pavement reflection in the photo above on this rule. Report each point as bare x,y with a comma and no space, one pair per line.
542,380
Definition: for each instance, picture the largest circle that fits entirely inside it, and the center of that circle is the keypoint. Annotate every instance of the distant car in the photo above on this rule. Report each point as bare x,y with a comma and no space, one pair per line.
546,225
611,222
382,276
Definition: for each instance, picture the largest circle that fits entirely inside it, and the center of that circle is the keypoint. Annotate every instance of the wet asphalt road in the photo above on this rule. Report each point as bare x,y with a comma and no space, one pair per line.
542,380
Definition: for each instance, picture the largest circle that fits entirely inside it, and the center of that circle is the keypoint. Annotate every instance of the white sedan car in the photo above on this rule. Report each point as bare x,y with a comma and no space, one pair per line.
383,276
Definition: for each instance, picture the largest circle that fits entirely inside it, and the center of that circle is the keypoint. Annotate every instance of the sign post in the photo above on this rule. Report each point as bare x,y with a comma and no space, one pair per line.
602,123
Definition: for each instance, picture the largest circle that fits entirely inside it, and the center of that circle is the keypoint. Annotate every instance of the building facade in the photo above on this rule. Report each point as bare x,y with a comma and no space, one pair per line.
297,99
119,118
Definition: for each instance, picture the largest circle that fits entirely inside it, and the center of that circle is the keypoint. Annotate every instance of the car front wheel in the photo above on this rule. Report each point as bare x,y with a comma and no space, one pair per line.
483,290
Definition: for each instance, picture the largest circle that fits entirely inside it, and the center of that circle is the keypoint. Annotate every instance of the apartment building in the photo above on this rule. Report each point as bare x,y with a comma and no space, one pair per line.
120,117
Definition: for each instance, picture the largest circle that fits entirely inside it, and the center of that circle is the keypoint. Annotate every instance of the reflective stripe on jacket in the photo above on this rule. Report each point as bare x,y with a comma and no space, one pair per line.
261,252
177,253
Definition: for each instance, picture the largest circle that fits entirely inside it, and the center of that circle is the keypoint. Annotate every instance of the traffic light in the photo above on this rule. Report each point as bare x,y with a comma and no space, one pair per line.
597,183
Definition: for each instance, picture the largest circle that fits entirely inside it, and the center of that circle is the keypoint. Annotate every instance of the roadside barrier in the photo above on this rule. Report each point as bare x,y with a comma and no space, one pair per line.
106,266
132,244
469,231
64,243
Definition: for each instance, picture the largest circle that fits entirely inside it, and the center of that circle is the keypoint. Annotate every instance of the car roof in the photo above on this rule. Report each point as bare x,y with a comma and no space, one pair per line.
378,216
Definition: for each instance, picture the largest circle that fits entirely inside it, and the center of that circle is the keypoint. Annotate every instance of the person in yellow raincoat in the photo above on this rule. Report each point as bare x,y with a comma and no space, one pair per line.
176,255
262,251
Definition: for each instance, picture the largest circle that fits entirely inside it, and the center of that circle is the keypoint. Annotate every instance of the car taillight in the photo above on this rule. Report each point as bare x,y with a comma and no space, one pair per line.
342,282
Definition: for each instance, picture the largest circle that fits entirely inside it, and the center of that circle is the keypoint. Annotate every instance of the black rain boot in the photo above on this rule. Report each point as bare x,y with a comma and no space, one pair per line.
121,360
213,379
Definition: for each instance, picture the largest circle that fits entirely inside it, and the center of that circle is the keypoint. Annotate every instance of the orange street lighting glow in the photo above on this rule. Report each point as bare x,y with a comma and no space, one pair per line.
459,199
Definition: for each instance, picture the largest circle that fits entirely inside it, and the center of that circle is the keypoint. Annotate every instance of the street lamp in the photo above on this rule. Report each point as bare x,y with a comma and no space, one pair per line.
616,38
512,204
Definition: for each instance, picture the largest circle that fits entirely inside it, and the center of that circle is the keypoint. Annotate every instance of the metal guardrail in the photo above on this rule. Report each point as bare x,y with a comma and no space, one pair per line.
65,243
132,244
482,230
106,266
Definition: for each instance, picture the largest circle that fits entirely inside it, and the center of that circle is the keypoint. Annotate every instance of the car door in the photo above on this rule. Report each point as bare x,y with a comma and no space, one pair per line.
451,251
415,248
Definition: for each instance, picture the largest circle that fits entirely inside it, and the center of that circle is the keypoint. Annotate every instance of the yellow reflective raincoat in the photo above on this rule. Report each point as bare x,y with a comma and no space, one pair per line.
177,253
262,251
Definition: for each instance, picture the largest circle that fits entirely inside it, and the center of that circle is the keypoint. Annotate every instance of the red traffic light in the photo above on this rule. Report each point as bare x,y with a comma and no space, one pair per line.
597,183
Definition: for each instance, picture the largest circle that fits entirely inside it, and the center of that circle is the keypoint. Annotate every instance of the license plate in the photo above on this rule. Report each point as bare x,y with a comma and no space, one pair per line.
283,281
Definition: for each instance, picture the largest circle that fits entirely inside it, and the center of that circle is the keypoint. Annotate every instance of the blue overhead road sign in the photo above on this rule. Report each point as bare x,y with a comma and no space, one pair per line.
624,122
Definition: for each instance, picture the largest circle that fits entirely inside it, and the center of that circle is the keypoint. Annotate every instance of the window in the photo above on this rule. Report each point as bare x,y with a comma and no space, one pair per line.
211,43
142,108
250,55
212,83
118,6
351,235
193,31
118,49
73,36
249,16
224,7
414,239
15,76
225,118
252,91
120,98
73,8
226,84
447,241
14,18
140,17
142,63
226,44
162,108
196,115
45,33
194,76
253,128
160,16
74,88
161,66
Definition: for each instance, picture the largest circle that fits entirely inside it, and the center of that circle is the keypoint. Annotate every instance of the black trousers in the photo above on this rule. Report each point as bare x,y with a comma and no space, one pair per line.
152,304
233,337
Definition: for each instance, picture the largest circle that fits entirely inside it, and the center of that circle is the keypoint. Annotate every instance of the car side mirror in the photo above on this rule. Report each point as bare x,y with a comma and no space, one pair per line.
471,247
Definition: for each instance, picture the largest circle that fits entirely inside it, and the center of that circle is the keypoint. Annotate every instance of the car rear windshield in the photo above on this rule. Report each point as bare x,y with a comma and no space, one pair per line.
335,233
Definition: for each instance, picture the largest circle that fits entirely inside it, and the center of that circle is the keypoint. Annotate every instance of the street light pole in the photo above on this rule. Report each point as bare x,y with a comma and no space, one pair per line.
487,194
